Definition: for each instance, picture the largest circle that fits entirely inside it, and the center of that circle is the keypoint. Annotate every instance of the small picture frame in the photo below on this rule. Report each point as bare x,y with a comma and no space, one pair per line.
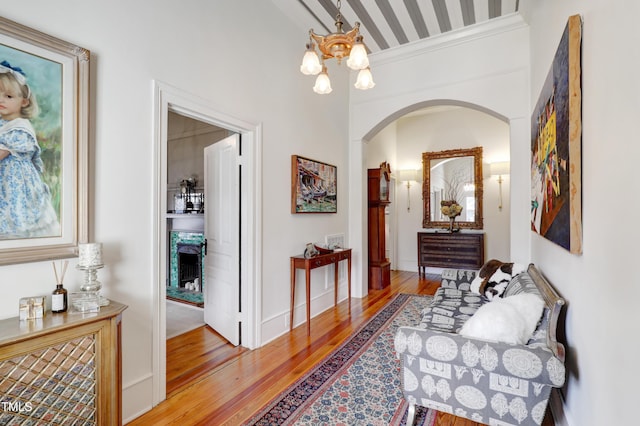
314,186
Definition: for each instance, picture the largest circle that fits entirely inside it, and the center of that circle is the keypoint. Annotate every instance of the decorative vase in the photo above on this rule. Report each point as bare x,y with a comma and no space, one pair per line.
452,219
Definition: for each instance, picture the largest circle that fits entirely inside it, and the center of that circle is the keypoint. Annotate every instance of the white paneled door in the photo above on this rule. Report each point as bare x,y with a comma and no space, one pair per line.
222,215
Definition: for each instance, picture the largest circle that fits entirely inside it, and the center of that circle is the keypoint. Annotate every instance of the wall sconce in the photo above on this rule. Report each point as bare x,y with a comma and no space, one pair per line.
499,169
409,175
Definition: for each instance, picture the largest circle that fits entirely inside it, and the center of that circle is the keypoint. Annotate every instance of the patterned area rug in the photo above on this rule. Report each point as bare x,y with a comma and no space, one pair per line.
356,384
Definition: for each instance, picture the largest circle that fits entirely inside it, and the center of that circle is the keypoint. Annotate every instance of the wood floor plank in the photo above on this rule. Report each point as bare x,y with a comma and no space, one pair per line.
231,389
194,354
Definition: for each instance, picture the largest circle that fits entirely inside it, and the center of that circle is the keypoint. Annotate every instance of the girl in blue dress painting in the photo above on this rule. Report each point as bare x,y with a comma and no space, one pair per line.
25,199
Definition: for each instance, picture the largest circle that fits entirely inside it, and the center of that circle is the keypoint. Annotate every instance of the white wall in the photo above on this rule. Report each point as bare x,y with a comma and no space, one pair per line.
383,148
186,140
601,285
437,129
485,67
228,54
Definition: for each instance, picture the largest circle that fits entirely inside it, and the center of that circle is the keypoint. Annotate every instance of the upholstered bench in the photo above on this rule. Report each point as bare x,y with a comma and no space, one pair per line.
487,381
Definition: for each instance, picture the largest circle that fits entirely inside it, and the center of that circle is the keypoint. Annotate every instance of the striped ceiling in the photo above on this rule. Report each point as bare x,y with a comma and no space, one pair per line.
389,23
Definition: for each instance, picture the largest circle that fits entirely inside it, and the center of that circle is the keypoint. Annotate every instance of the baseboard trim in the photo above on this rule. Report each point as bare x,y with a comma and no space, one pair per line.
136,397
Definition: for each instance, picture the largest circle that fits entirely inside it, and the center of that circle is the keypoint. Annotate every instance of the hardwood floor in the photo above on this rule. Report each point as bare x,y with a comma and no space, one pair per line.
213,383
194,354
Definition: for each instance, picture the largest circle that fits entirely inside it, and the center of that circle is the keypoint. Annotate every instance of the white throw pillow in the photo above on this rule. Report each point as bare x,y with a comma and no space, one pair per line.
509,320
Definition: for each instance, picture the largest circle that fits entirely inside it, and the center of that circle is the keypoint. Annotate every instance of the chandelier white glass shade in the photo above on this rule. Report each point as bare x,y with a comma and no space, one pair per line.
337,45
310,62
323,84
364,80
358,59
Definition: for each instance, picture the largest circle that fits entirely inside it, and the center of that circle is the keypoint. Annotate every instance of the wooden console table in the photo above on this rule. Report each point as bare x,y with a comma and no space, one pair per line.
63,368
299,262
450,250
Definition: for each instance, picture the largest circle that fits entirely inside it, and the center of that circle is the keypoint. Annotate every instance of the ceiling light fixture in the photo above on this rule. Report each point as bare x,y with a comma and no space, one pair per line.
337,45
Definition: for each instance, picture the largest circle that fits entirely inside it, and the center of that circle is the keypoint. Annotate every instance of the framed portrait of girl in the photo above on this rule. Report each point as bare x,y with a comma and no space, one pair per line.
44,87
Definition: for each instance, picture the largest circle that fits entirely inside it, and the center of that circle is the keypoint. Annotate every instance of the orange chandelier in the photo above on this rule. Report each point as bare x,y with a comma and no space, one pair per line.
337,45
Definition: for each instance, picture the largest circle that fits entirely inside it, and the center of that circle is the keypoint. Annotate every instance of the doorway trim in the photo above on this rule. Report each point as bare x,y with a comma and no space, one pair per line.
169,98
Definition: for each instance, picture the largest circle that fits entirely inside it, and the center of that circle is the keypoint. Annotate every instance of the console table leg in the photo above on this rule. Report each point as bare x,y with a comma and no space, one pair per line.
293,292
349,281
308,278
335,284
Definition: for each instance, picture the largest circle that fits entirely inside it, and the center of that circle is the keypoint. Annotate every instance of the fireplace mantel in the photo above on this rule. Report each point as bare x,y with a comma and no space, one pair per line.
185,216
185,222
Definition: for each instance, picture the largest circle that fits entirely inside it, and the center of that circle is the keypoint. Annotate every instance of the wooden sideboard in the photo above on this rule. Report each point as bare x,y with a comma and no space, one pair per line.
62,369
450,250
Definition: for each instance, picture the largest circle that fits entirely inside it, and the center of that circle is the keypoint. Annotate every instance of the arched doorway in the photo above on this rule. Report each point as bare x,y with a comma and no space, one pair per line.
359,163
431,129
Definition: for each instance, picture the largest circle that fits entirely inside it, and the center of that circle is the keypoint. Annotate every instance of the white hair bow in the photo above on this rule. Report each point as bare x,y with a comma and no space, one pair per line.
6,68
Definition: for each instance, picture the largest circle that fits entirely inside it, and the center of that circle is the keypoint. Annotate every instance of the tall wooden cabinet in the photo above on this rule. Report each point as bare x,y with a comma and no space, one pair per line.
378,199
62,369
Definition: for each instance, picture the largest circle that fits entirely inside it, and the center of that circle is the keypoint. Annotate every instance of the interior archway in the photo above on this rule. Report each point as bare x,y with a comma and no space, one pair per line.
360,151
424,106
432,129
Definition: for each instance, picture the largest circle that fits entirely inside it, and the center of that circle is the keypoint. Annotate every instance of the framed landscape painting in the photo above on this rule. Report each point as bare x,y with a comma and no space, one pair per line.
43,145
313,186
556,139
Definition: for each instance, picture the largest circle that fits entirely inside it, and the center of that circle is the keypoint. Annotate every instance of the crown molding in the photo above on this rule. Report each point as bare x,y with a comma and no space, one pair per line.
463,35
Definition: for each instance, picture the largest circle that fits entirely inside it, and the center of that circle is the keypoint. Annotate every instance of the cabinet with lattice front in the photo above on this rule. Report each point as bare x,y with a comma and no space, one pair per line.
62,369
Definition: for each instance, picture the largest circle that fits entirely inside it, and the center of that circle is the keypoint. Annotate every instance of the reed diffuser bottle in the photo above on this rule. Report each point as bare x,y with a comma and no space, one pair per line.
59,296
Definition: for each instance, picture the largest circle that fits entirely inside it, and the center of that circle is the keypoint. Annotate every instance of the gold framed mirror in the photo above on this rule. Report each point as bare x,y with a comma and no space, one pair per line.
452,175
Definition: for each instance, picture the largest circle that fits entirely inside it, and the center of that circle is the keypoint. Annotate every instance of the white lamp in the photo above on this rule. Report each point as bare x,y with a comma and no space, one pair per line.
409,175
499,169
89,261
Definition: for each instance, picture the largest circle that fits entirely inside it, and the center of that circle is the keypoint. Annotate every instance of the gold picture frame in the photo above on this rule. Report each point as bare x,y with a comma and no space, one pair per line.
469,172
57,73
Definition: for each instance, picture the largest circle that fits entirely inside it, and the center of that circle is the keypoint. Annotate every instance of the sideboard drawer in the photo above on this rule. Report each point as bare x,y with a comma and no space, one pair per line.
342,255
322,261
446,250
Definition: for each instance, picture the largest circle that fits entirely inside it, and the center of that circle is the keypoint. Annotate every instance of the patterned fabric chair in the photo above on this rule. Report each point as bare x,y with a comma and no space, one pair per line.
488,382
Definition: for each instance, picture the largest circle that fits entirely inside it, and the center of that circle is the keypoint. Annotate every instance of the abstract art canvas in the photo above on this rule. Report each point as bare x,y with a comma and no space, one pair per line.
556,139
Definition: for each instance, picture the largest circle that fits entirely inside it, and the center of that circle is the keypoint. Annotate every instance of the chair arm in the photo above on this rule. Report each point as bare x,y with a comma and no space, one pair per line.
458,278
442,350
